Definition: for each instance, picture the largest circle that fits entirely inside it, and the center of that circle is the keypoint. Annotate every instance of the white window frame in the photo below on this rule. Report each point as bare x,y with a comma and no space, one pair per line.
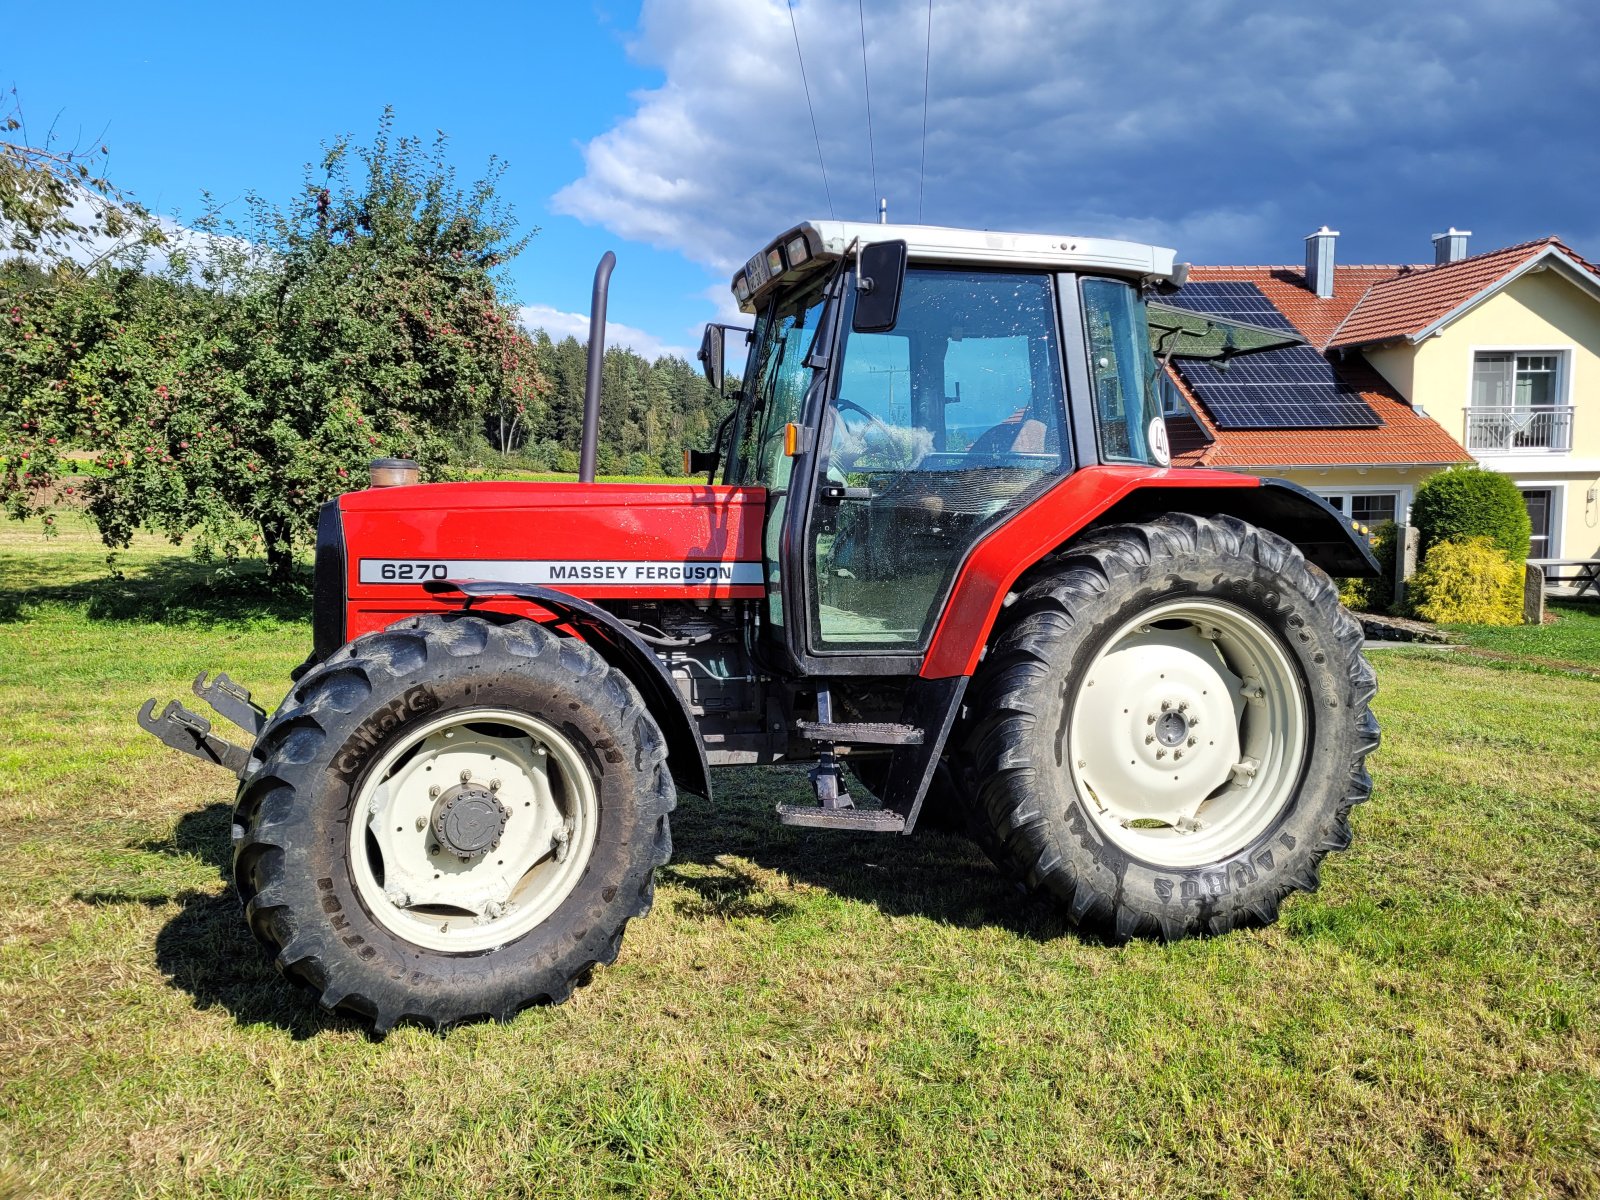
1402,494
1562,387
1558,509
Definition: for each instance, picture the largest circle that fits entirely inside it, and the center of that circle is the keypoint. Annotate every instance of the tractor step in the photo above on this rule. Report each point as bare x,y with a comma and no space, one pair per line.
187,731
879,733
863,820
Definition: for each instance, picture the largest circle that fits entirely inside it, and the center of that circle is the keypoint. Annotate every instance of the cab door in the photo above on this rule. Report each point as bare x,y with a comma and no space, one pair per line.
932,432
779,380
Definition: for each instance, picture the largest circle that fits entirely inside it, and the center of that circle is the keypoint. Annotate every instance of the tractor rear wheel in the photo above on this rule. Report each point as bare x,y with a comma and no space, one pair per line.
1175,726
452,820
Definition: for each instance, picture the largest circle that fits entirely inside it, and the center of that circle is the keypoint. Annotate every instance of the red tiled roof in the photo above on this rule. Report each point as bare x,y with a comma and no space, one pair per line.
1406,437
1312,315
1413,298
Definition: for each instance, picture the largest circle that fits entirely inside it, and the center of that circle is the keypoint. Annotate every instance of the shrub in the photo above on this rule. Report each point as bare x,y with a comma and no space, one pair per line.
1374,595
1469,502
1471,582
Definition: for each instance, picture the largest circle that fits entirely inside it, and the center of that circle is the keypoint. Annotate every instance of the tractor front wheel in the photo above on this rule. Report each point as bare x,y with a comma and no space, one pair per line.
1175,725
452,819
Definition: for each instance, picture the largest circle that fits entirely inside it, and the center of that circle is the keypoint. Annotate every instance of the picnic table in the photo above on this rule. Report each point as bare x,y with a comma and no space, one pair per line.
1585,572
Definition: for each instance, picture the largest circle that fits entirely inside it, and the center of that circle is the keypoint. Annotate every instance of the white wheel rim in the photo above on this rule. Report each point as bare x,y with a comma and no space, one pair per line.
1189,733
463,899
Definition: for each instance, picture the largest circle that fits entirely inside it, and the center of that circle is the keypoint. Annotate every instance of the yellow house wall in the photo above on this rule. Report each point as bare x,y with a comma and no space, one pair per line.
1396,364
1541,310
1536,311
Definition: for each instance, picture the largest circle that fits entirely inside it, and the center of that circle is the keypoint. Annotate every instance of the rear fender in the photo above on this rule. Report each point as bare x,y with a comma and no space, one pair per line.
1320,531
627,652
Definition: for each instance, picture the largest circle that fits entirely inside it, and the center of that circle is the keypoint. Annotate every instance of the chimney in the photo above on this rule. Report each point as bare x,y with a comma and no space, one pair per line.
1450,247
1319,261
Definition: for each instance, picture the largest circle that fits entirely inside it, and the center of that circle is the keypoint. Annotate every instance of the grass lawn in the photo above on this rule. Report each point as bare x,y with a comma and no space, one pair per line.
1573,637
805,1013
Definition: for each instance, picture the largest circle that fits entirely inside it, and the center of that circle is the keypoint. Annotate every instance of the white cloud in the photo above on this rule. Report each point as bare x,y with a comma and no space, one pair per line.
560,324
1228,128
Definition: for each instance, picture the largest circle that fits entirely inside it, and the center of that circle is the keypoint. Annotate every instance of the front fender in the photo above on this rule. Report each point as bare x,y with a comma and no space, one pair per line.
628,653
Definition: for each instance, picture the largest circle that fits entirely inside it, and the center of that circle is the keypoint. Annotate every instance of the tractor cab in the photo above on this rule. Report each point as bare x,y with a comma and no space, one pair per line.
907,389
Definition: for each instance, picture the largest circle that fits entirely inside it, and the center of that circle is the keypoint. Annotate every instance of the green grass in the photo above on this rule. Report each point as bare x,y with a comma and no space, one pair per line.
1573,637
804,1014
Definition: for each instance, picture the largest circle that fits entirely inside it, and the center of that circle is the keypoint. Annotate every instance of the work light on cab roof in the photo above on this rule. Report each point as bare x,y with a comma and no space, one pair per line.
939,556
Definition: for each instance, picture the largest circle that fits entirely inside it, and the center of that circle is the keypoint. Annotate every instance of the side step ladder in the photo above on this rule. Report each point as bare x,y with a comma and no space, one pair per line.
835,809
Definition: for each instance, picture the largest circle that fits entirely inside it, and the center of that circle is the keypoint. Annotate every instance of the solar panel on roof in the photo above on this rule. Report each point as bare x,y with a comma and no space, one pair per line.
1292,388
1240,301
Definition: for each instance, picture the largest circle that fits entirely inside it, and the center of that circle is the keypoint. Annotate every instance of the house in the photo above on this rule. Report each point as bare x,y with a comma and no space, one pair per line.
1409,369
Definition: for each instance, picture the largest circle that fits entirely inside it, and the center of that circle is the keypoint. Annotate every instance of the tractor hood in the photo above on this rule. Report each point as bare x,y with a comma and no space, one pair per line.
597,541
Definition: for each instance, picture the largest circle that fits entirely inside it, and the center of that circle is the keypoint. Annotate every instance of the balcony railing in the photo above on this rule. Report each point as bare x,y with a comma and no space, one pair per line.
1512,429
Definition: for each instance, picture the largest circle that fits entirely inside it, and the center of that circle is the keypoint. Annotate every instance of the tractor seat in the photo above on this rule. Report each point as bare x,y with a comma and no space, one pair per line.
1017,434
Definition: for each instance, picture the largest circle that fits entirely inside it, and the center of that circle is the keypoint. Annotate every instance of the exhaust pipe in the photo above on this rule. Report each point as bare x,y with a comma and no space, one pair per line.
597,353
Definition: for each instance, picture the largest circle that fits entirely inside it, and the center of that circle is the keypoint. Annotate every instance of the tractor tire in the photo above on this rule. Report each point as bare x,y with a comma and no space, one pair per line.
452,820
1175,726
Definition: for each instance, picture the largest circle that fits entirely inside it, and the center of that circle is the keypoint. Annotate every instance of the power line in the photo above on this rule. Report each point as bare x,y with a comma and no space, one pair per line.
866,84
796,31
927,58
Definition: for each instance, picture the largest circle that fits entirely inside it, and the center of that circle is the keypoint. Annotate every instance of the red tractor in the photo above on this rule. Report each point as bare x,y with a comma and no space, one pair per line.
939,543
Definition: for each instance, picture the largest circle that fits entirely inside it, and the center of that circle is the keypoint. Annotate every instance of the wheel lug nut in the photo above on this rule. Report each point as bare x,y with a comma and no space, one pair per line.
1176,755
1150,720
1193,721
1183,706
466,776
433,792
433,849
1166,705
1161,753
1194,741
494,785
422,823
1148,738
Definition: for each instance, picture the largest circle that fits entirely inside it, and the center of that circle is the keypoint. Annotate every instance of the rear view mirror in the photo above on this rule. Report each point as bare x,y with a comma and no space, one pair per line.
711,356
880,277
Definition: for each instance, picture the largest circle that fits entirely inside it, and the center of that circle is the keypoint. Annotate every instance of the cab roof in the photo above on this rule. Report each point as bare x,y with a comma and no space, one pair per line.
799,250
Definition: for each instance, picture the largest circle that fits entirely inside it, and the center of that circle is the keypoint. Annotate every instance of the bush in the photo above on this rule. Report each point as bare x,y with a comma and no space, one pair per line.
1374,595
1469,502
1471,582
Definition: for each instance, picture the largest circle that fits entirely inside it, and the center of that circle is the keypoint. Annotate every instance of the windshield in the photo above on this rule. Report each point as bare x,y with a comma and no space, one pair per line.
778,379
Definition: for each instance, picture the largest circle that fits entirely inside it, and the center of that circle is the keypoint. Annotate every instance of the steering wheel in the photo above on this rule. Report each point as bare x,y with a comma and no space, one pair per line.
902,463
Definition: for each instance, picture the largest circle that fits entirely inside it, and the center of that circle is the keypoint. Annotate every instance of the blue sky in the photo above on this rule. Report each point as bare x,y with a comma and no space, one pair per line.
676,131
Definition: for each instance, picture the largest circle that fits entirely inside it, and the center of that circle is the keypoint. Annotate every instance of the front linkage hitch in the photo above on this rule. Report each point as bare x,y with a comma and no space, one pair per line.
189,732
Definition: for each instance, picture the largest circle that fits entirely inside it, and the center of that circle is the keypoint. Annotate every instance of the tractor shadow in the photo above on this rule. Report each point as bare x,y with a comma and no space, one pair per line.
724,857
207,950
939,876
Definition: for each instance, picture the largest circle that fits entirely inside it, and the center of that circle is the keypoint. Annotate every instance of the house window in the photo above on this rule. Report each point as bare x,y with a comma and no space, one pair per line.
1371,509
1518,402
1541,510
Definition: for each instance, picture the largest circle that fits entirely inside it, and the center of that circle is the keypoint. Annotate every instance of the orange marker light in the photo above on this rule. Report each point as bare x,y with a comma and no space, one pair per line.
685,462
791,439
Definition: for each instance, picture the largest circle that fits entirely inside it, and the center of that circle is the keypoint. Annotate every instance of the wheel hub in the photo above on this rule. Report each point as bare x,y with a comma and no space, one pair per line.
468,820
1172,728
